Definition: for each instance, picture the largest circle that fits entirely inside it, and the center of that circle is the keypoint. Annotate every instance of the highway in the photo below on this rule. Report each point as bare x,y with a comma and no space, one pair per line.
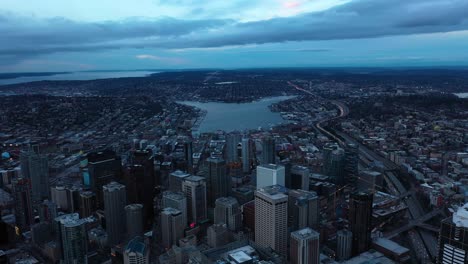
423,241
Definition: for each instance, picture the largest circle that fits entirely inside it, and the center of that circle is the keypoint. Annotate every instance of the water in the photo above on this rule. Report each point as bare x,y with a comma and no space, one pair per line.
462,95
232,116
77,76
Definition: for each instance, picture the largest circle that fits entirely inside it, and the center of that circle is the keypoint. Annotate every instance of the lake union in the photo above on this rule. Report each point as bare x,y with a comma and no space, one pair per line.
232,116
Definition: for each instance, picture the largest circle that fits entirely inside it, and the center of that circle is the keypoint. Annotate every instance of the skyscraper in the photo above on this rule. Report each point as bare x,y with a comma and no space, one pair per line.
270,174
453,238
370,181
271,218
21,190
74,240
134,220
47,211
232,140
218,181
87,203
227,211
360,219
136,252
175,180
176,200
299,177
115,199
344,241
194,188
103,167
188,153
303,209
351,163
172,224
334,163
305,247
268,150
246,155
140,182
35,167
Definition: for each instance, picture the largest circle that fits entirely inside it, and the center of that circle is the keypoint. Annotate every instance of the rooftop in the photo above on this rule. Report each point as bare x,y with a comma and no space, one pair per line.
460,217
305,233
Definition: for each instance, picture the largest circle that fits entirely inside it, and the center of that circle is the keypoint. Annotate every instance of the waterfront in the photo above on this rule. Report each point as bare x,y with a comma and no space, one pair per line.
81,76
232,116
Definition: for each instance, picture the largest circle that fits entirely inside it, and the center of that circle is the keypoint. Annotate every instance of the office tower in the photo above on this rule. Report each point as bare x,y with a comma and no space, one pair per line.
218,235
232,140
136,252
21,190
334,163
351,163
453,238
344,241
246,155
299,177
175,180
287,173
172,224
73,198
305,247
268,150
188,153
140,182
194,188
303,209
87,203
270,174
360,219
73,239
248,216
218,182
115,199
227,211
47,211
59,196
369,181
176,200
103,167
271,218
134,220
35,167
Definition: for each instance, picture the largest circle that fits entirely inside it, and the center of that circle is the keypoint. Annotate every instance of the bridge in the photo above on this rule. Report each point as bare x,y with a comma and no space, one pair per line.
412,223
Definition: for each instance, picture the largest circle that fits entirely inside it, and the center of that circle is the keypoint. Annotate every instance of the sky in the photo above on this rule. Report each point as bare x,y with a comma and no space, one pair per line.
75,35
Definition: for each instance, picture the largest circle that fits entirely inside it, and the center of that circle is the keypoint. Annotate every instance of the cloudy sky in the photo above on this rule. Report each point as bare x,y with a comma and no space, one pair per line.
51,35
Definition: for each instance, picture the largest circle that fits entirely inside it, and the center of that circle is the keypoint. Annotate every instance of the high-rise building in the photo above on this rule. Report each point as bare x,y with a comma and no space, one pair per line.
271,218
194,188
370,181
115,199
351,163
227,211
453,238
188,153
21,190
176,200
134,220
140,182
305,248
103,167
299,178
344,241
47,211
248,216
172,224
35,167
136,252
270,174
303,209
218,182
268,150
360,219
232,141
87,203
245,155
334,163
175,180
73,238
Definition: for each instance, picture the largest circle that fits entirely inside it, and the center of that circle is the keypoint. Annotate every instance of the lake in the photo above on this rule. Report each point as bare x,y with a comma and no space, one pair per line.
77,76
242,116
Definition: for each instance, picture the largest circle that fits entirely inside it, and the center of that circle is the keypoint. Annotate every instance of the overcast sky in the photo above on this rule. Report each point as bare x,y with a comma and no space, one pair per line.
57,35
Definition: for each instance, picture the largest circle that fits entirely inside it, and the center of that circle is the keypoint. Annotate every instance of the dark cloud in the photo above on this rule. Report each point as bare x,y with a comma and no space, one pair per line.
356,19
